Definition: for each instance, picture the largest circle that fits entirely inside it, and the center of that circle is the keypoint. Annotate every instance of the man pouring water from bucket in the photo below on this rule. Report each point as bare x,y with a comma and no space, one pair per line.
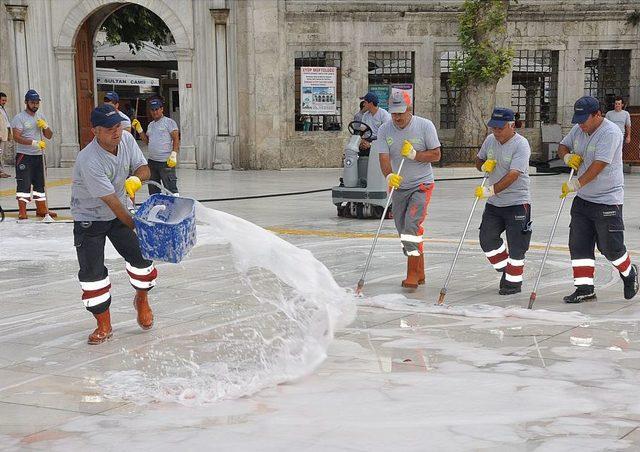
106,171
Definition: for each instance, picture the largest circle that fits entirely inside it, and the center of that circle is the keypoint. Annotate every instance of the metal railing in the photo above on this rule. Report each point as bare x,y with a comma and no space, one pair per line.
451,154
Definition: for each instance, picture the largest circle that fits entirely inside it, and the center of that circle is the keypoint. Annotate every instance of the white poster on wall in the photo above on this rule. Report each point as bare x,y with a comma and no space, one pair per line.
318,90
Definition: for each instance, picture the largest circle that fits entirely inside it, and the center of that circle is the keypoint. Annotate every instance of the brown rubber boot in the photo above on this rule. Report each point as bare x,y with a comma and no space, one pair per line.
145,315
41,210
22,210
413,265
421,278
104,331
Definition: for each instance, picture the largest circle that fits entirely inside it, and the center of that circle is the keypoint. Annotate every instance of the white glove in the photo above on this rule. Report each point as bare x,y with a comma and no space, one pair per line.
39,145
407,150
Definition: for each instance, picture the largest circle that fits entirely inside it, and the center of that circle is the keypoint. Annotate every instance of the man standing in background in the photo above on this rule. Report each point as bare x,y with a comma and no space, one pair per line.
163,139
5,133
621,118
30,128
112,98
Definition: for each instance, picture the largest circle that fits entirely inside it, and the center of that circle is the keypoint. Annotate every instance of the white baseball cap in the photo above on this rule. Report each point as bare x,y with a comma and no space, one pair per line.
399,101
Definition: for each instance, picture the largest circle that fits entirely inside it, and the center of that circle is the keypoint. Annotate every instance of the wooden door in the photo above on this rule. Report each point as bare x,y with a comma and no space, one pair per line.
84,83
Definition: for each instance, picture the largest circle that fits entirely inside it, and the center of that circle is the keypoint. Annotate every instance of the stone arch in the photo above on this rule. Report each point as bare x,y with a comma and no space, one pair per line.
65,50
86,8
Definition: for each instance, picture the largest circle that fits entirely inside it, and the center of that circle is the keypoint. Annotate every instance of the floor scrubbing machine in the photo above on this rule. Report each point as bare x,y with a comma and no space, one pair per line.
362,192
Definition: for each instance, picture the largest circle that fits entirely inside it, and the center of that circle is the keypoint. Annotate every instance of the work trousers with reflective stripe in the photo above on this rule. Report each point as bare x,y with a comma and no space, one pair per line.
29,172
409,208
89,239
596,224
509,258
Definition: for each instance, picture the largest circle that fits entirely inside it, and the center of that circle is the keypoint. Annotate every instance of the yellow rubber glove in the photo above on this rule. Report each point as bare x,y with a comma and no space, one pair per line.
407,150
488,166
484,192
136,125
573,160
570,187
172,161
39,144
132,185
42,124
394,180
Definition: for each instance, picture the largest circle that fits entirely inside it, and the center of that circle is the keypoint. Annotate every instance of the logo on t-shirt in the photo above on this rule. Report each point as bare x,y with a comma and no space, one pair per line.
389,141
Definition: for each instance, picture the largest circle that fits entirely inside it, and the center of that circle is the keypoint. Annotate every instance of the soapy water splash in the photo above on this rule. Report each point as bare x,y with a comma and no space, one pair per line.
398,302
293,306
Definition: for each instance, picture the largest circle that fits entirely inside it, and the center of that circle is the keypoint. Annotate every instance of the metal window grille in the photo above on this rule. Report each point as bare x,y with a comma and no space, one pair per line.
386,68
319,59
448,92
606,75
534,87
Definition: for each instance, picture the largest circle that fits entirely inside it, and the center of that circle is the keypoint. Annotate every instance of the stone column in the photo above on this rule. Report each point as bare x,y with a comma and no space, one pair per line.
570,81
18,15
503,91
68,128
634,70
220,17
224,140
185,91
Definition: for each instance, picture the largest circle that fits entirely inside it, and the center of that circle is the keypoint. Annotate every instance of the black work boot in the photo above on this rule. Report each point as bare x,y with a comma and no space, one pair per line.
582,293
508,288
631,283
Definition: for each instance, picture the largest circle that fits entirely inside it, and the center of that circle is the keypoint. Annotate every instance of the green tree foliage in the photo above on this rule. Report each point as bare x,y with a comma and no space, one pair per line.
633,18
135,24
482,31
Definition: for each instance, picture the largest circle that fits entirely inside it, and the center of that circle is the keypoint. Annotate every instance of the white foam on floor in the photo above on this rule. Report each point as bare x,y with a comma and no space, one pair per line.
282,345
398,302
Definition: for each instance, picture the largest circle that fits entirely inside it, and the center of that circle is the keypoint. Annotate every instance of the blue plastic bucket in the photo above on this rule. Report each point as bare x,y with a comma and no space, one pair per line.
166,227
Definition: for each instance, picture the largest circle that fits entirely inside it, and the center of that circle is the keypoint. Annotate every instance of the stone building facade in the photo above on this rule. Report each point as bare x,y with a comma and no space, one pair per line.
239,63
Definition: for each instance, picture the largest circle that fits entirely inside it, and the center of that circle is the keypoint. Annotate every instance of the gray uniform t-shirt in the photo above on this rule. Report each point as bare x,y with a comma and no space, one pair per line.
126,122
99,173
513,155
375,121
605,145
620,118
422,134
160,143
30,131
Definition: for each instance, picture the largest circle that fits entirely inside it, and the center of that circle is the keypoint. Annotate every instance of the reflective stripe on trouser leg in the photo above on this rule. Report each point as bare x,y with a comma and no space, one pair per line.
498,257
39,196
96,294
410,210
583,271
514,270
142,278
21,196
582,242
623,264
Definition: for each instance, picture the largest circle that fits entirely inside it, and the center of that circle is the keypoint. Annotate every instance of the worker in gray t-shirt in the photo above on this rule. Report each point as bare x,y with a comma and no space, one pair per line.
30,129
414,139
163,139
374,117
112,98
107,167
504,158
621,118
593,148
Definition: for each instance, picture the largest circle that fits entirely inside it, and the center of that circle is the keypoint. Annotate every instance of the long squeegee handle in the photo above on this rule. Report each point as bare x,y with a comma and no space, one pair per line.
532,298
375,239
